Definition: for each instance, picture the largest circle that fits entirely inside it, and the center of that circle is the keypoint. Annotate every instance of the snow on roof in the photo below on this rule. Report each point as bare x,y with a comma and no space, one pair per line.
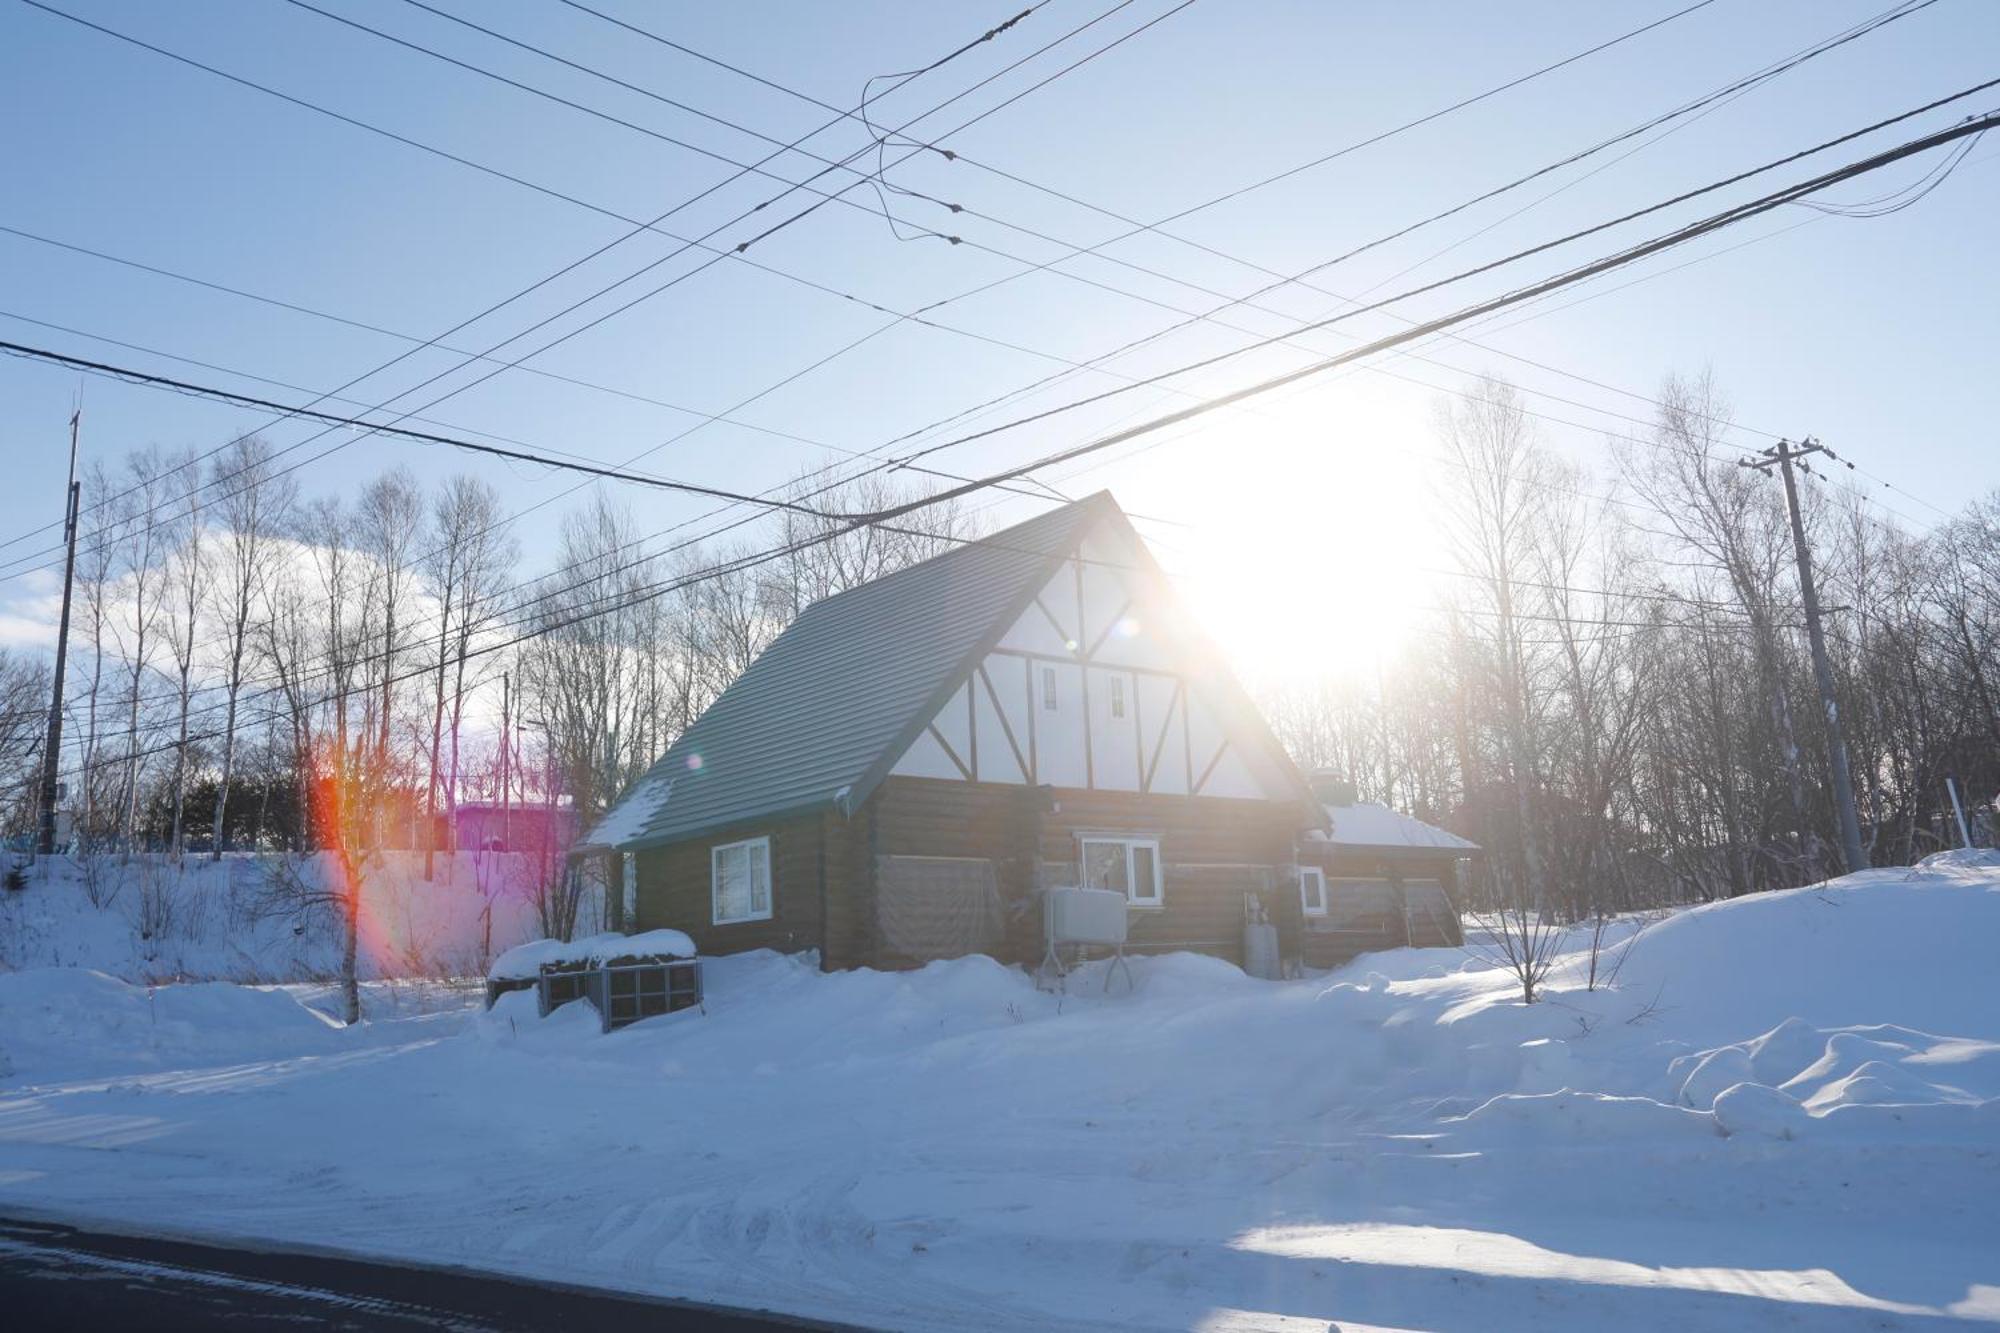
524,962
624,821
1372,824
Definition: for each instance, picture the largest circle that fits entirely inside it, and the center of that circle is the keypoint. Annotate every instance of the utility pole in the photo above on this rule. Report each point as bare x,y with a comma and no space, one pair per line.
506,799
52,745
1782,456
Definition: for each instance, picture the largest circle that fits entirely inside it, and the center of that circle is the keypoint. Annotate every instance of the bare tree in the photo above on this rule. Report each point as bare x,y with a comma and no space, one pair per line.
187,575
24,718
1715,511
254,502
389,527
465,571
1496,501
150,477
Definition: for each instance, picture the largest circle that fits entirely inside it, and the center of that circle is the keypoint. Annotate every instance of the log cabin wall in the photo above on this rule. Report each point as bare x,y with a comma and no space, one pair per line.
675,886
1213,852
1351,929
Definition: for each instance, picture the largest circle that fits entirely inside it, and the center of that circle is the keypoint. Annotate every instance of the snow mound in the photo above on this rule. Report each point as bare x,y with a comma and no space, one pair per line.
1907,946
1963,858
1754,1110
61,1020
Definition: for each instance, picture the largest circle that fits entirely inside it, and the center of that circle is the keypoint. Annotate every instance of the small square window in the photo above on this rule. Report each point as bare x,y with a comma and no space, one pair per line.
1049,688
1124,865
740,881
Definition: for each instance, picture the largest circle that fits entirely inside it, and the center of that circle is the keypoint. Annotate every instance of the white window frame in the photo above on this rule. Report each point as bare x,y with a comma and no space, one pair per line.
1152,902
1117,696
761,846
1313,874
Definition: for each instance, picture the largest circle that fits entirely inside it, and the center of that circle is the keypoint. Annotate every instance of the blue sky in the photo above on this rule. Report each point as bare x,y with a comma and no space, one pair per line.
1872,334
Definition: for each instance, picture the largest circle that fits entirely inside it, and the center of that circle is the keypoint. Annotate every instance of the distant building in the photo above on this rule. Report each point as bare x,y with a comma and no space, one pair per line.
529,827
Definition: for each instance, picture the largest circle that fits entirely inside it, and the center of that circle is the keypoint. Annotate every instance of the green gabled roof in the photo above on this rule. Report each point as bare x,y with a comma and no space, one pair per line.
823,713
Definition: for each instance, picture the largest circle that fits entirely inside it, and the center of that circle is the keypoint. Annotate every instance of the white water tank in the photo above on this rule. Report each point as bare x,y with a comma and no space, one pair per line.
1085,916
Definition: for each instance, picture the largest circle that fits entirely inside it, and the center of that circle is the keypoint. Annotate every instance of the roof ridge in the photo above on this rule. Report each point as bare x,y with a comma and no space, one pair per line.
991,540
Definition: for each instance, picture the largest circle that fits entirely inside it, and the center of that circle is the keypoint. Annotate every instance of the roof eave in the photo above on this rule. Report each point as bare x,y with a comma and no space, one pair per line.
648,841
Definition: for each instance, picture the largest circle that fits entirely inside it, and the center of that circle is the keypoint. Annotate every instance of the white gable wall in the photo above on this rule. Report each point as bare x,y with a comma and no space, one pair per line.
1089,689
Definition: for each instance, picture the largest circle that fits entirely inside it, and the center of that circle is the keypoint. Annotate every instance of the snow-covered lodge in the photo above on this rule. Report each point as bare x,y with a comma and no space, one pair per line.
908,767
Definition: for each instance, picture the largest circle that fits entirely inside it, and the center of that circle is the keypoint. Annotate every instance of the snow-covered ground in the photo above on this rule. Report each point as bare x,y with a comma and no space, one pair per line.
1786,1114
145,918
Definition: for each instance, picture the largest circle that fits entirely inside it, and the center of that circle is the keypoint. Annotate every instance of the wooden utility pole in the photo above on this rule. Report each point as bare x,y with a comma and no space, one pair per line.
506,799
1782,456
52,744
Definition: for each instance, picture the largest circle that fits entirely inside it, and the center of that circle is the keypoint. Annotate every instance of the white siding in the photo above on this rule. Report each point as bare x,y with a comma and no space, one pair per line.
1059,731
1166,742
926,759
996,762
1114,740
1166,735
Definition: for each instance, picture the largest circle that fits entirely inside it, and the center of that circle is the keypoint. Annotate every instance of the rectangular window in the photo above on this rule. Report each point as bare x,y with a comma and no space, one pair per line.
1312,890
628,889
740,881
1049,688
1130,866
1118,696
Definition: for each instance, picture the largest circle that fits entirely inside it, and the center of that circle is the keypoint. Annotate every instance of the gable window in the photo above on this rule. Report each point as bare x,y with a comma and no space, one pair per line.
1118,696
1130,866
740,881
1049,688
1312,890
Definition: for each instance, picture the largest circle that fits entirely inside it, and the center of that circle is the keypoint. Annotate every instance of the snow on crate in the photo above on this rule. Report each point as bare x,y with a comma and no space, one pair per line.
524,962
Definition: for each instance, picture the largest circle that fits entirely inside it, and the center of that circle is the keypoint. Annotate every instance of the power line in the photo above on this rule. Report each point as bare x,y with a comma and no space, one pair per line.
1073,251
152,381
845,115
640,228
1777,199
1735,215
1975,125
982,115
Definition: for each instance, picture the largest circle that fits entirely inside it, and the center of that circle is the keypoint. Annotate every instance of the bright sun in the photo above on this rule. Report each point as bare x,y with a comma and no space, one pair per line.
1313,549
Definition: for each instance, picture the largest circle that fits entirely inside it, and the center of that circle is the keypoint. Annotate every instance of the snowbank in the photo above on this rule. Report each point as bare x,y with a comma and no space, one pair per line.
1786,1113
65,1020
148,919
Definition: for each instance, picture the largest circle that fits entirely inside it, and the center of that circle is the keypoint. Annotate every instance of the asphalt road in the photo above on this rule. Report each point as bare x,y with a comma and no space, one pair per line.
57,1277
